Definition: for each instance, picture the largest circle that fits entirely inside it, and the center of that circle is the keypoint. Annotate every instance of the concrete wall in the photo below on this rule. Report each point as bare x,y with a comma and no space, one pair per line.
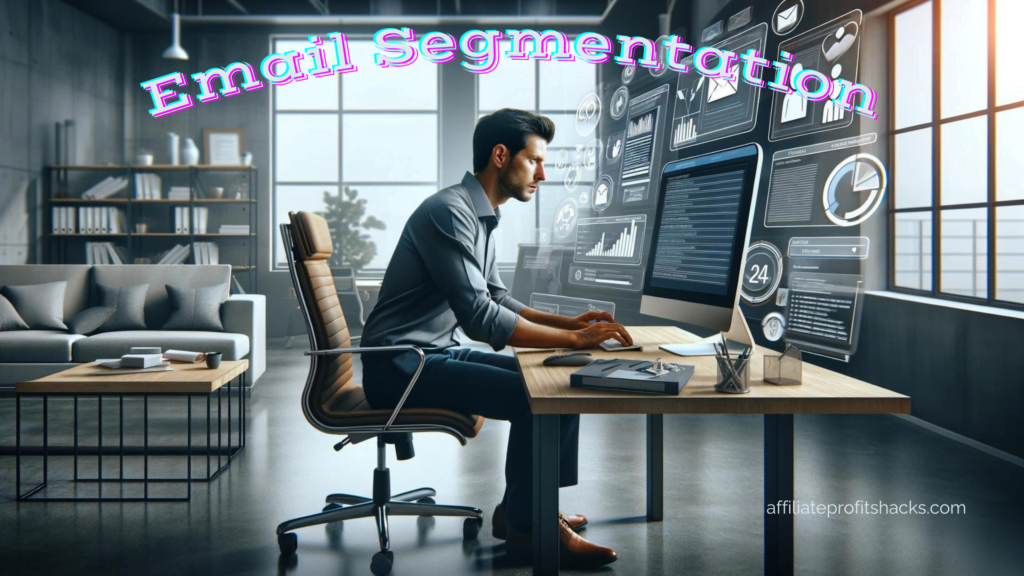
55,63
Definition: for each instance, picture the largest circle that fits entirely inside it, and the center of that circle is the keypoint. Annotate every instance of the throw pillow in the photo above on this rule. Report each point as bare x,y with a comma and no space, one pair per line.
9,318
196,308
41,306
90,320
128,304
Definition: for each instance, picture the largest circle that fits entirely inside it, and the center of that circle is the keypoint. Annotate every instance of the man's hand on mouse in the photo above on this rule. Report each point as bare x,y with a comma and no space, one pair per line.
593,334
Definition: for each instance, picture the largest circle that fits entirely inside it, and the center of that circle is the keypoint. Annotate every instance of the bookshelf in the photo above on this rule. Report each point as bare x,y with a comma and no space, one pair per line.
237,207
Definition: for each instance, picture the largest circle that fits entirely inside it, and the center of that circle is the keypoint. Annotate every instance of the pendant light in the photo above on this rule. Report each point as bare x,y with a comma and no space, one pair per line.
175,51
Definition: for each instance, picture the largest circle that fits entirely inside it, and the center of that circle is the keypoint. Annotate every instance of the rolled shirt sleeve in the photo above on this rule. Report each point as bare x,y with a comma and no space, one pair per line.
500,294
454,267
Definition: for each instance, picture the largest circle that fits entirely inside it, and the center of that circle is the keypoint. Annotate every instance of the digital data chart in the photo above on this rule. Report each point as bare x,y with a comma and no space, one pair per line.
611,240
832,48
825,184
641,151
707,109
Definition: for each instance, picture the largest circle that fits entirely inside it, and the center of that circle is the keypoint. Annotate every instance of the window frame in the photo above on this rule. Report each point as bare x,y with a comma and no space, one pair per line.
365,273
990,111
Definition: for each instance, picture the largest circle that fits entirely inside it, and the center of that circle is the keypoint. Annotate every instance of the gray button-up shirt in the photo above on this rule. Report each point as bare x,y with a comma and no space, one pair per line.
443,274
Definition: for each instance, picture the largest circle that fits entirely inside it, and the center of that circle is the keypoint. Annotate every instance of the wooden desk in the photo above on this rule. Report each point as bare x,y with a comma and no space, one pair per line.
822,392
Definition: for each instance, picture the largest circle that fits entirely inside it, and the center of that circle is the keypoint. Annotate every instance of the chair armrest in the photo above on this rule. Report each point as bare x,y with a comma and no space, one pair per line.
373,349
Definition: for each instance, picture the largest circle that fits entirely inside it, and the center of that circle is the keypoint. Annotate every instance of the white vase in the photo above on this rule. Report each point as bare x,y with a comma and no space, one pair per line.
189,153
172,148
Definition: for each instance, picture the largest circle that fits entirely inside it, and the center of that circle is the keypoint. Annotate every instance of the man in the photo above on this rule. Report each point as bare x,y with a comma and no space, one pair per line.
443,274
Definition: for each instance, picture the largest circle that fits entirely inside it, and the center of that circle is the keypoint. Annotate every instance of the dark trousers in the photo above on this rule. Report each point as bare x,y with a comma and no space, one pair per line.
485,384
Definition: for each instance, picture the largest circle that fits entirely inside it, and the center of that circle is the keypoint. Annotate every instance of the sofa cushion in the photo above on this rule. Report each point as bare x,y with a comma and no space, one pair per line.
36,346
41,306
116,344
196,308
158,308
9,317
128,304
76,295
89,320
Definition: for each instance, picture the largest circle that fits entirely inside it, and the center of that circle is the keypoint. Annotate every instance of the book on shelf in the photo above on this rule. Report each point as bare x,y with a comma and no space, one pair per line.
147,186
176,255
64,219
194,220
205,253
179,193
104,253
88,220
234,229
106,188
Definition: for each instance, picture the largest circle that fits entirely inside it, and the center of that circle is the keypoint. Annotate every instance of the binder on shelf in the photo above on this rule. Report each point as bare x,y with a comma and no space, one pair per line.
214,253
177,219
112,253
104,220
91,192
106,188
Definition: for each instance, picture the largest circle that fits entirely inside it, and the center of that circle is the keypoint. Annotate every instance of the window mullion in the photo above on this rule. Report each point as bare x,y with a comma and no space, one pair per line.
936,147
991,256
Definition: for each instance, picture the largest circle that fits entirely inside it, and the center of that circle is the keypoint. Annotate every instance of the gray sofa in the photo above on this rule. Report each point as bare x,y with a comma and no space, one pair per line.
29,354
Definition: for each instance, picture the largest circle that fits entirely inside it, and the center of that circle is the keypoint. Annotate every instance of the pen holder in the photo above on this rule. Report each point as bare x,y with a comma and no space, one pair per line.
785,369
733,376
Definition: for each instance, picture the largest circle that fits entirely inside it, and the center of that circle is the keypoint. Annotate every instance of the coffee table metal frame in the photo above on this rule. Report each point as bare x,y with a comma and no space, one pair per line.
31,495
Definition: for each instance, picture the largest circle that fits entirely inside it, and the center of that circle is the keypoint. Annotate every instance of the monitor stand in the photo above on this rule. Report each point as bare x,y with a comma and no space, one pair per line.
738,337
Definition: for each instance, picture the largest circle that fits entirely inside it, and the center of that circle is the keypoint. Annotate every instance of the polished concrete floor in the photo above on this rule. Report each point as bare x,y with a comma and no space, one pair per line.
713,523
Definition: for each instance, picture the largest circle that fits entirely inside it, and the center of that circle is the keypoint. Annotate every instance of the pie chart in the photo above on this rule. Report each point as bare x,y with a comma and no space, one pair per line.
854,190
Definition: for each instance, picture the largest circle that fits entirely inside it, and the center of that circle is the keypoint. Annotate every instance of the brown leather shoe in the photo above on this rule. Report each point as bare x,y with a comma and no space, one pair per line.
574,550
499,522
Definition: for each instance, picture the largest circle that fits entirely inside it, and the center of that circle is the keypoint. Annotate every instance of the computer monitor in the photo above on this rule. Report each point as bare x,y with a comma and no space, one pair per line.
701,230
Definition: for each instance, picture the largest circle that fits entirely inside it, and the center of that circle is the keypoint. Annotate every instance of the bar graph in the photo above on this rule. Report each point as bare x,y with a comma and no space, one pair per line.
685,129
611,240
642,125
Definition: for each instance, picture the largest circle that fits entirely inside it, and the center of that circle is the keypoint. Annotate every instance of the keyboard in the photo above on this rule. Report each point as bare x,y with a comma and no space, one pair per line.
613,345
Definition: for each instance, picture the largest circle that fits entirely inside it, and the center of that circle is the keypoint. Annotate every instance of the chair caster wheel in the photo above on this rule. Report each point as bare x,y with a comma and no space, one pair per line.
333,506
471,528
381,563
427,500
287,543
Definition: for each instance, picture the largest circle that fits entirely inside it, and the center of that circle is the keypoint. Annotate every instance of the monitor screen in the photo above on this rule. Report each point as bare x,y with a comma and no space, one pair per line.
701,227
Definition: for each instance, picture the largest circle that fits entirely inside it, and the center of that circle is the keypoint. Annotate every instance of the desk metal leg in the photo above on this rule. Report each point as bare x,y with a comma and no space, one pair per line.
655,467
545,494
778,490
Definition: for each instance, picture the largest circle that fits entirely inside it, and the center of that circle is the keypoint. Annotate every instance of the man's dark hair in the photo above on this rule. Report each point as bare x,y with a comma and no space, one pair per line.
509,127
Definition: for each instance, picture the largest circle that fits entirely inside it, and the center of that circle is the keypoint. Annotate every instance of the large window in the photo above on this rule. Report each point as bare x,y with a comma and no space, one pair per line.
957,151
553,89
362,131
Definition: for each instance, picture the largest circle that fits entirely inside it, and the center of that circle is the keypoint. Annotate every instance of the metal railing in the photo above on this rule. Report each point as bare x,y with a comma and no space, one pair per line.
920,236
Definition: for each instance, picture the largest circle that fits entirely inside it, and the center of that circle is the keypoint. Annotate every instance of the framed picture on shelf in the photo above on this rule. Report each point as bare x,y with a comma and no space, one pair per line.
223,146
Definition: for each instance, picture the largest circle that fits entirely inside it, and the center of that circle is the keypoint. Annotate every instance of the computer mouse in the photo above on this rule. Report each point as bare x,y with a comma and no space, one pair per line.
571,359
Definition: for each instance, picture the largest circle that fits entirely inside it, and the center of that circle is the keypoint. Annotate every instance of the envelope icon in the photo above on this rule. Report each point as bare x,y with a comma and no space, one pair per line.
787,18
722,88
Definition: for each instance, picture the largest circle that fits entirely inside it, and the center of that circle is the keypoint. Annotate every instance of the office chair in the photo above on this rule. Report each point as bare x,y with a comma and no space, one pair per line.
348,297
335,404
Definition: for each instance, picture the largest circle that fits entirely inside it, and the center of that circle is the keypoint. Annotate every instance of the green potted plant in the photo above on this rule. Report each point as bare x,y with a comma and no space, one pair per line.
346,217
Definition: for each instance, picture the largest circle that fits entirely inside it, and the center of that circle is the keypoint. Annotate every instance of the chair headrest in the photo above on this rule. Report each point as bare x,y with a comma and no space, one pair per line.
313,235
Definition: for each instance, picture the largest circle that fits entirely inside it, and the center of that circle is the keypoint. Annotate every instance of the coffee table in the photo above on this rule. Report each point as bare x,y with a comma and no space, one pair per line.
183,381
